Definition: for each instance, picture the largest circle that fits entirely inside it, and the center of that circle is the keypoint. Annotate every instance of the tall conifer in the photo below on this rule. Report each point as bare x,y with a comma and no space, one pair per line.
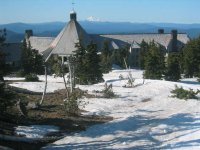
154,62
92,60
142,54
31,60
106,64
191,58
87,70
173,70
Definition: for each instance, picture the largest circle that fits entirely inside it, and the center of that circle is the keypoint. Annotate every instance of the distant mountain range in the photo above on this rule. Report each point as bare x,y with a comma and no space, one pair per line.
15,31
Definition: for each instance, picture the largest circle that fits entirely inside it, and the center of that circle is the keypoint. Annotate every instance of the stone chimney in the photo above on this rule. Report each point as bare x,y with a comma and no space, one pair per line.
28,33
174,34
73,15
161,31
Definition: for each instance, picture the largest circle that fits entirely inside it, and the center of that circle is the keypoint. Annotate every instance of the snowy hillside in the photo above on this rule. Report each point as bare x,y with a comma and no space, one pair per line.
145,117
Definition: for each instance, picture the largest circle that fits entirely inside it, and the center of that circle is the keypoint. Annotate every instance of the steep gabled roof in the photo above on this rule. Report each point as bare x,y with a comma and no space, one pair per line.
64,43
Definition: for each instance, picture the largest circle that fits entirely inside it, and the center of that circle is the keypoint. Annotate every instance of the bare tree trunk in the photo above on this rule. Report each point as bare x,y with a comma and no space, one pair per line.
21,108
2,85
45,88
143,78
63,75
125,64
70,75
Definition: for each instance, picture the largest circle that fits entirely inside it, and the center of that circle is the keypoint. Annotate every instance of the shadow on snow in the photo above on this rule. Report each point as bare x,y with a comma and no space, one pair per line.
138,128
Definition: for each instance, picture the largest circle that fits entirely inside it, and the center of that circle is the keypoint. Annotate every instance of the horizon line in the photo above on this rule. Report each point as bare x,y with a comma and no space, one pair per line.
153,22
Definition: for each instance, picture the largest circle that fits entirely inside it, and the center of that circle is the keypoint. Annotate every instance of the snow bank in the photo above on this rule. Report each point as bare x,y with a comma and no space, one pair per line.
39,86
53,84
13,79
35,131
145,117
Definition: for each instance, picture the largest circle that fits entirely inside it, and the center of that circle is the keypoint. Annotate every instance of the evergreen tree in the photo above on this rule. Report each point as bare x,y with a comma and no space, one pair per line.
26,60
154,62
199,75
181,59
80,68
124,52
32,61
2,61
120,55
5,95
37,61
116,58
142,54
106,64
92,61
54,65
191,58
173,71
87,69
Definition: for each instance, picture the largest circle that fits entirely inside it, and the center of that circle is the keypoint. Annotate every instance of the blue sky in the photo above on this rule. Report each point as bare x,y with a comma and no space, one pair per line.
36,11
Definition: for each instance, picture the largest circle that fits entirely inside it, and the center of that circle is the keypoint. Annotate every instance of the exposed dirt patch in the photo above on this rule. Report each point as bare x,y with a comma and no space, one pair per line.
52,112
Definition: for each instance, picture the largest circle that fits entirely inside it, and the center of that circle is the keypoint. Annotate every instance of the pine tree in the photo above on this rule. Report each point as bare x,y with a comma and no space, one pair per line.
124,52
199,75
142,54
173,71
116,58
154,62
31,60
37,61
5,95
92,61
120,55
106,64
26,60
87,70
80,68
2,61
54,65
191,58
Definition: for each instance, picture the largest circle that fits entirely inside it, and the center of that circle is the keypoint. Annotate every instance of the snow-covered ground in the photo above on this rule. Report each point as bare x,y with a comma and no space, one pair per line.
145,117
54,83
35,131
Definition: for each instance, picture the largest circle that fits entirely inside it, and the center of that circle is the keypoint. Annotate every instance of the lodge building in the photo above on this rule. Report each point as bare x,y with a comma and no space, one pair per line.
64,44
